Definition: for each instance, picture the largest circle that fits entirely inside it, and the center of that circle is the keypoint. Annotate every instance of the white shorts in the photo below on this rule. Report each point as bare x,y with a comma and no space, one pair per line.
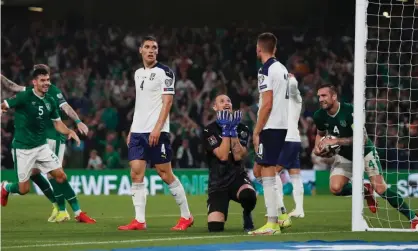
344,167
40,157
59,151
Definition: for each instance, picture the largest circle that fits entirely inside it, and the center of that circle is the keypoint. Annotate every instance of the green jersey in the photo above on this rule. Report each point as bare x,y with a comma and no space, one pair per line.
56,94
340,125
33,115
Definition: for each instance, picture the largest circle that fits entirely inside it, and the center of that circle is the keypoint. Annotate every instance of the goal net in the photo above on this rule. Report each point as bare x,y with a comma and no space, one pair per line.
386,103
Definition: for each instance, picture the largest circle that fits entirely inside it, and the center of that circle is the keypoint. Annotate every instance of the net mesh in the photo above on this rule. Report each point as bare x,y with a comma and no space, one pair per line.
392,102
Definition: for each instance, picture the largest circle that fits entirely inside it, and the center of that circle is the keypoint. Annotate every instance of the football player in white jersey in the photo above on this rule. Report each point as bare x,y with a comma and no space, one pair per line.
289,158
271,127
149,137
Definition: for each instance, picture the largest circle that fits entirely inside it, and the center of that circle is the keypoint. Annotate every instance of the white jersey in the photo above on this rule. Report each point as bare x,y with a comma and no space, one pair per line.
273,76
150,85
295,107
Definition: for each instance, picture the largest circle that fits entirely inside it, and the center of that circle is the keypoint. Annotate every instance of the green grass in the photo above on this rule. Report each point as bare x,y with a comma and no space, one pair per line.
24,224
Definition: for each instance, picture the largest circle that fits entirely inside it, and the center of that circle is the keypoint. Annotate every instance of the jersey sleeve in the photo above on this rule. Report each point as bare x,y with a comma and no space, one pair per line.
244,136
54,111
58,96
319,122
294,90
264,81
167,82
17,100
210,140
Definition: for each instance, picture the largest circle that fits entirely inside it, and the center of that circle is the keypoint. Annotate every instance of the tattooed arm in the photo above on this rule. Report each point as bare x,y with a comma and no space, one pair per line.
10,85
238,151
74,116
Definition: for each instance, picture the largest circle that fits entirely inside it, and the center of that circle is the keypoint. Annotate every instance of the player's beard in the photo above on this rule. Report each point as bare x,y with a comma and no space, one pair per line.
326,106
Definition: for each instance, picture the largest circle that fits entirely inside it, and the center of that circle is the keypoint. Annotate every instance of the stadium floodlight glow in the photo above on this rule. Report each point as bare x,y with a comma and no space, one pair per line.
383,106
36,9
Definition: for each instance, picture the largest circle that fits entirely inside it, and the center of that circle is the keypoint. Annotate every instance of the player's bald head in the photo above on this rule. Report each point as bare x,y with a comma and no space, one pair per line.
222,102
267,42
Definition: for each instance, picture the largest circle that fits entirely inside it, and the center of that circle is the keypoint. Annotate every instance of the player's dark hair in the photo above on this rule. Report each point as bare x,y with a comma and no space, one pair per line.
332,87
148,38
267,41
40,69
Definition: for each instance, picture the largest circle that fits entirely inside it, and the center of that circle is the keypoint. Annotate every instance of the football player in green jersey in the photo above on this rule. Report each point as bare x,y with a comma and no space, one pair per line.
336,119
56,142
33,111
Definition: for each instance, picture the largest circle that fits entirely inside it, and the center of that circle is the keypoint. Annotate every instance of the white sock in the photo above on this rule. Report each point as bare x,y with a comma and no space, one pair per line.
139,199
297,191
250,174
77,213
270,198
279,193
177,190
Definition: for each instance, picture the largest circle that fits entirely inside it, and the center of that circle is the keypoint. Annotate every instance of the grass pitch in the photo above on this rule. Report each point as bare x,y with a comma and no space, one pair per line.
24,224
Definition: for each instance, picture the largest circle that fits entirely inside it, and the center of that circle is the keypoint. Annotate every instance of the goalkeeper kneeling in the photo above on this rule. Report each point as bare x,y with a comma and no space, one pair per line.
226,142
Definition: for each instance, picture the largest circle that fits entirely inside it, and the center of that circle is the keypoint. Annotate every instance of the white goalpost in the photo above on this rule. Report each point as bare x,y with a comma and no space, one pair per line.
386,107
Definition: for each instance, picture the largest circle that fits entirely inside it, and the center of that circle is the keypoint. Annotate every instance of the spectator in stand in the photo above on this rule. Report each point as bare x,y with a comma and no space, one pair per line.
95,162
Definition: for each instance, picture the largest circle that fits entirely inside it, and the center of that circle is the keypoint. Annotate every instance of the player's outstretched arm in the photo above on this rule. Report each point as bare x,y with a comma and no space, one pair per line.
74,116
10,85
63,129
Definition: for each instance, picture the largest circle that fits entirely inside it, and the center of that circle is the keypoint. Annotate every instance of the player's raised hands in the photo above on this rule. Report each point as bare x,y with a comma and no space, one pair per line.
224,120
73,135
236,119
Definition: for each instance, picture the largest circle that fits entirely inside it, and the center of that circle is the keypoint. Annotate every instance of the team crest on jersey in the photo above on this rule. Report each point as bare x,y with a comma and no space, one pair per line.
260,79
152,76
244,134
343,123
168,82
48,106
212,140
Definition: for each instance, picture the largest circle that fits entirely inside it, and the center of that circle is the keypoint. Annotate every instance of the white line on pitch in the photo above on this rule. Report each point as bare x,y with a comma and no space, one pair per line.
154,240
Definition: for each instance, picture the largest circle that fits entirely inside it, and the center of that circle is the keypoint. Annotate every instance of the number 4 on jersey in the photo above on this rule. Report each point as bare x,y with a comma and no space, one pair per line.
142,85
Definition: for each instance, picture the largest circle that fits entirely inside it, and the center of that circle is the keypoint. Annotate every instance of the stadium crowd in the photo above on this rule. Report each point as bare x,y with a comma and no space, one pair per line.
94,68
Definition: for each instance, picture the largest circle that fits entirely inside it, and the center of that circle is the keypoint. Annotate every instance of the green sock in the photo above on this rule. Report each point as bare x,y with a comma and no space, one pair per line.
45,187
397,202
70,196
13,188
58,193
346,190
